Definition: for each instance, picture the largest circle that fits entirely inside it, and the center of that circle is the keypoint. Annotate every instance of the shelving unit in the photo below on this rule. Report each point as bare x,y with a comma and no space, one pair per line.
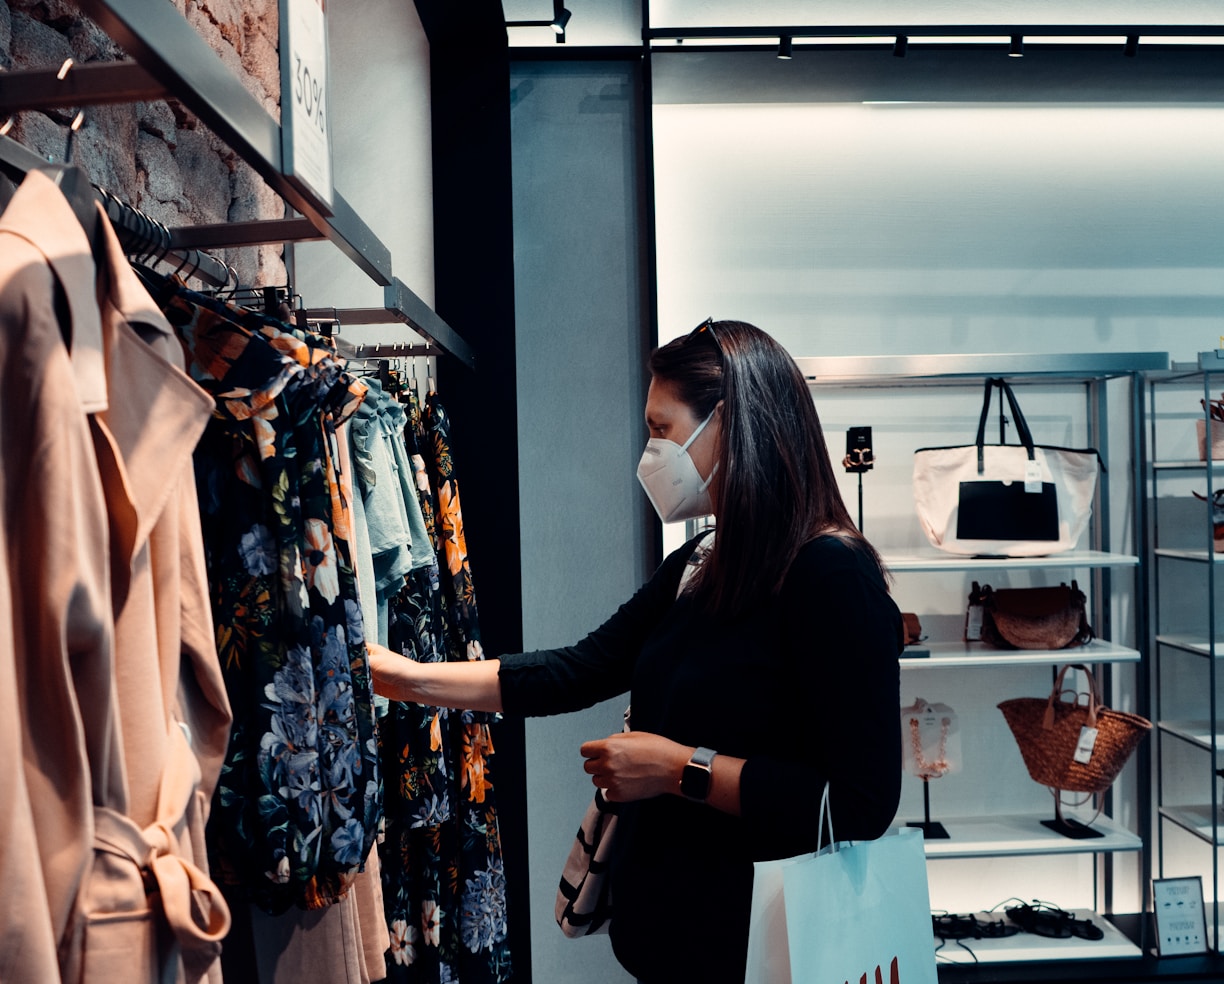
1186,634
989,827
966,654
1013,834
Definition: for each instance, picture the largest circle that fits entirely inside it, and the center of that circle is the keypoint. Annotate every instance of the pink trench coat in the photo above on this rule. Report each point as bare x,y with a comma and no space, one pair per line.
113,713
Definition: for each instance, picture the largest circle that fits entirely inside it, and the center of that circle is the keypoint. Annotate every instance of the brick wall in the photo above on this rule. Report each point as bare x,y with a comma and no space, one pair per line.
155,155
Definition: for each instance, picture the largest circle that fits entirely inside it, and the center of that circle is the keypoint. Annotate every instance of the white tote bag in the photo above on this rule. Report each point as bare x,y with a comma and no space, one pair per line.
1010,500
852,913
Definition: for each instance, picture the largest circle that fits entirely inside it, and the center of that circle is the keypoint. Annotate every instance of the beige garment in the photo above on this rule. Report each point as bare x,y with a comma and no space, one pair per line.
119,795
56,635
342,943
173,707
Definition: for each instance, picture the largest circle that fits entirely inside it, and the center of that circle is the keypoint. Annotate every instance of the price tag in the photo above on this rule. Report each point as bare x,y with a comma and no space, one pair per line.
305,107
1032,477
973,623
1085,745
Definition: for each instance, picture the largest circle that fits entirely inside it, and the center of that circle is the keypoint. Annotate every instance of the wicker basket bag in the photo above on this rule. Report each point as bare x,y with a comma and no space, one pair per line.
1049,731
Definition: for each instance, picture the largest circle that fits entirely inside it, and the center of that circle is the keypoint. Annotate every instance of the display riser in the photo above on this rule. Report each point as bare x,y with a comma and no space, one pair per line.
1031,947
1143,968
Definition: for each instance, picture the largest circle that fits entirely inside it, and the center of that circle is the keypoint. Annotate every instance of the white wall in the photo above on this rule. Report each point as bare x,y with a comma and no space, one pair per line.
381,158
859,229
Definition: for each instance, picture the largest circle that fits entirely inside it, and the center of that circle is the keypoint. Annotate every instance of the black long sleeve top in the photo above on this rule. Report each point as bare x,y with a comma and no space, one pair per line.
805,688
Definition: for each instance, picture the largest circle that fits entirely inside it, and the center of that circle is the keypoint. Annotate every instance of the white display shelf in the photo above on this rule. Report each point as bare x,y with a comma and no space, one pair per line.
1200,556
1031,947
933,560
1008,835
978,654
1196,732
1194,818
1193,464
1199,645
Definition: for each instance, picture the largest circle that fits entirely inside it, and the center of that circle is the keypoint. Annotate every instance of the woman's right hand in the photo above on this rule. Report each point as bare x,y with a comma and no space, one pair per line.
391,673
471,684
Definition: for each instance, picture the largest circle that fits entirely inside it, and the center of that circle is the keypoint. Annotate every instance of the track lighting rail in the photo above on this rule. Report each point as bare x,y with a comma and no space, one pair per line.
914,32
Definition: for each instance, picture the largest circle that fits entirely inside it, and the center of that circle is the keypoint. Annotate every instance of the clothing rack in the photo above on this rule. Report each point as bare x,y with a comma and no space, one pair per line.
137,233
395,351
172,61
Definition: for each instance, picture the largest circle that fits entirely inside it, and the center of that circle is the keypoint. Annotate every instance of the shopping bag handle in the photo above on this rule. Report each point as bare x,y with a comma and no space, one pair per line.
1022,427
1094,696
826,816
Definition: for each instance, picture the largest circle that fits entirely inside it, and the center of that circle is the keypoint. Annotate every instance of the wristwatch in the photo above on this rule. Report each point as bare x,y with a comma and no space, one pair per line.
695,779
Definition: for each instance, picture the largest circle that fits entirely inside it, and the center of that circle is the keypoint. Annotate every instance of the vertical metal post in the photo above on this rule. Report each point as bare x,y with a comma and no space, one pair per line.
1212,653
1143,544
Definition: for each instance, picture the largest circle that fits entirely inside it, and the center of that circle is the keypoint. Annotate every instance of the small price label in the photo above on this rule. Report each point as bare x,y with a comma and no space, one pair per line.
1085,745
973,623
1032,477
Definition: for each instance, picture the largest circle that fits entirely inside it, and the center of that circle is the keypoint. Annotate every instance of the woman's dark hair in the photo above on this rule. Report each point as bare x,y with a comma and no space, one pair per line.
775,487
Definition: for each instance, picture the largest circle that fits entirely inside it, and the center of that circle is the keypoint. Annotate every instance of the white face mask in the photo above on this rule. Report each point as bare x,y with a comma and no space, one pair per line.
671,480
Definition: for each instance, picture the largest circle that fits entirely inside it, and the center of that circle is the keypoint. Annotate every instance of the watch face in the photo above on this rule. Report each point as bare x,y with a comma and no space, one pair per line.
695,782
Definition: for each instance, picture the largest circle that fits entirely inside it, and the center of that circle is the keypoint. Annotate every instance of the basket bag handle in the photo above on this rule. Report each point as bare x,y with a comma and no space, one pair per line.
1094,696
1022,427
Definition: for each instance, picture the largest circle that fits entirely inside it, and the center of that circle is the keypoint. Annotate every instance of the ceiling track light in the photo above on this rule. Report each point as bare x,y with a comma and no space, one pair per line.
784,48
560,18
901,46
1017,46
1132,46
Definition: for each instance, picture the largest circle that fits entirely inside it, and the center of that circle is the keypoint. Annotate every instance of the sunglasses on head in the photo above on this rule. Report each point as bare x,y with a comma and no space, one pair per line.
707,328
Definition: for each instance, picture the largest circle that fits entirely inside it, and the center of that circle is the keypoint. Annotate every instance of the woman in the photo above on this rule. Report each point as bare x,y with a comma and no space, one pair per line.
771,671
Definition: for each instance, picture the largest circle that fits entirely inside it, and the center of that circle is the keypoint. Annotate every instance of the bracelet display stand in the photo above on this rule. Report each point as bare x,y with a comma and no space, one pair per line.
931,829
928,727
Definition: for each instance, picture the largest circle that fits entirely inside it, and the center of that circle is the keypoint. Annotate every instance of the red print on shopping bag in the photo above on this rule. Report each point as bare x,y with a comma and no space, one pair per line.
894,976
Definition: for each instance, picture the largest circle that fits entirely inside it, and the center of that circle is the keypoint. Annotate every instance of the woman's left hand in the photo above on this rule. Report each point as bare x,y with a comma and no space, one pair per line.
634,765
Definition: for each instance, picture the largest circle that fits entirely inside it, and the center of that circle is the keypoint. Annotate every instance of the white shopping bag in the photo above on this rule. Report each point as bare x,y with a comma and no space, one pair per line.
768,950
852,913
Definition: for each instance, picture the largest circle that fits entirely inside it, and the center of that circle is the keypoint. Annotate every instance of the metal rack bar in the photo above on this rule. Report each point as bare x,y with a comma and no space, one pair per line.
118,82
170,51
383,350
91,84
258,232
401,306
947,369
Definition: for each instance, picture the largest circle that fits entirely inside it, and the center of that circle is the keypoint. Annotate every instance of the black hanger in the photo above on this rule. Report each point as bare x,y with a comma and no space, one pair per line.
74,182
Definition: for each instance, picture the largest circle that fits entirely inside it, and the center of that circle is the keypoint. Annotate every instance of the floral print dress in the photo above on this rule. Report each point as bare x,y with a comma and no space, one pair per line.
444,883
299,801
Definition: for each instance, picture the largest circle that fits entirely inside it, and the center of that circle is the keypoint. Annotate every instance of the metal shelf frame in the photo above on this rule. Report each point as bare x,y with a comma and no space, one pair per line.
186,69
173,62
1203,821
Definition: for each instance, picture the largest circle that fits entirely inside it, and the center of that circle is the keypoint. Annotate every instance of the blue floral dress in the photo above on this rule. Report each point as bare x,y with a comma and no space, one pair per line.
299,801
444,883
